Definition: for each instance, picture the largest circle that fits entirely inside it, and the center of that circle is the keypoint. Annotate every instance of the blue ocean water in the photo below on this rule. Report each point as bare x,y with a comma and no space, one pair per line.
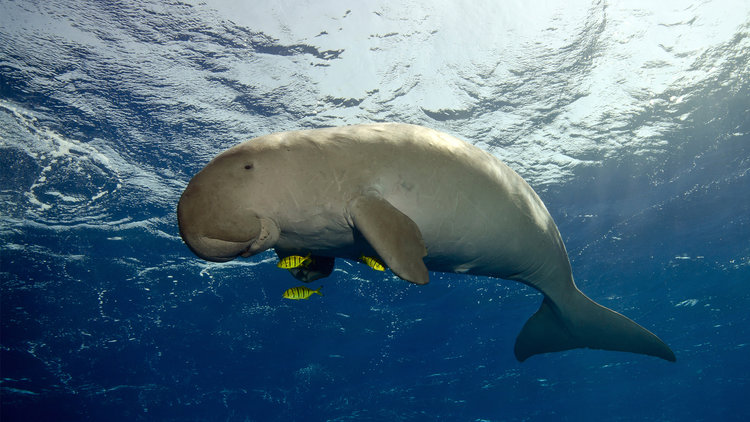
630,120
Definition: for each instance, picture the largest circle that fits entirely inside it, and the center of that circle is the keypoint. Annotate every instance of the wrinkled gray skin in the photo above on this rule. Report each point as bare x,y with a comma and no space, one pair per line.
417,198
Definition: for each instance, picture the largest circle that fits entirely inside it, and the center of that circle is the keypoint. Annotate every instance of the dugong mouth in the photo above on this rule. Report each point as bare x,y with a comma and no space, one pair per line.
263,235
217,250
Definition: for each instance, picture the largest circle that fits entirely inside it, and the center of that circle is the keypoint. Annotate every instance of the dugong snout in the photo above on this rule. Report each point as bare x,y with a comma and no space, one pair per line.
211,230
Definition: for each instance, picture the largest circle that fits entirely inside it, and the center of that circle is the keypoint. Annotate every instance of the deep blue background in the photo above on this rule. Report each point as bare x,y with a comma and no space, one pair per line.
106,315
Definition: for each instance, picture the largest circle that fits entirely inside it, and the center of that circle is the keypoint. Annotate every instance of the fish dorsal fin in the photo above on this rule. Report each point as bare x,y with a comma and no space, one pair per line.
394,236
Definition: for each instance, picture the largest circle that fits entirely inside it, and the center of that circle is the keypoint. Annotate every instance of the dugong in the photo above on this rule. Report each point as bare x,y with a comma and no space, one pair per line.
418,199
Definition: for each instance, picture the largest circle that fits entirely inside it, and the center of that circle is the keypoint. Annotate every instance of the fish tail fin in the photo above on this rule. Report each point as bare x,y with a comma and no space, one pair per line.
581,322
318,291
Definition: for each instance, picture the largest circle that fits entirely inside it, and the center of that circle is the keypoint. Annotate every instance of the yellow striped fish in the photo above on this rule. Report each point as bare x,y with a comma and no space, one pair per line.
294,261
301,292
373,263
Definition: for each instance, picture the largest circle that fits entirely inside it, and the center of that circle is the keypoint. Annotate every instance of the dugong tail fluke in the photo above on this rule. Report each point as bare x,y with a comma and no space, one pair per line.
578,322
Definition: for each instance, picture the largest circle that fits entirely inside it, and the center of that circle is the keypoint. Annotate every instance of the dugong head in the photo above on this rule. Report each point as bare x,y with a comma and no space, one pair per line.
219,214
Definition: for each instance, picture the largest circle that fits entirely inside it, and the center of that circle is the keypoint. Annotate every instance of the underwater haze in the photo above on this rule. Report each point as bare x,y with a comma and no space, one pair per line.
631,119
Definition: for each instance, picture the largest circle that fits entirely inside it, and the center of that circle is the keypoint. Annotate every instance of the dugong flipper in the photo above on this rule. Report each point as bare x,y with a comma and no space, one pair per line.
416,198
393,235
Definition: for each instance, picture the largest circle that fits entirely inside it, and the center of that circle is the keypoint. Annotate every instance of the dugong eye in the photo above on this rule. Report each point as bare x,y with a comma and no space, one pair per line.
248,166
